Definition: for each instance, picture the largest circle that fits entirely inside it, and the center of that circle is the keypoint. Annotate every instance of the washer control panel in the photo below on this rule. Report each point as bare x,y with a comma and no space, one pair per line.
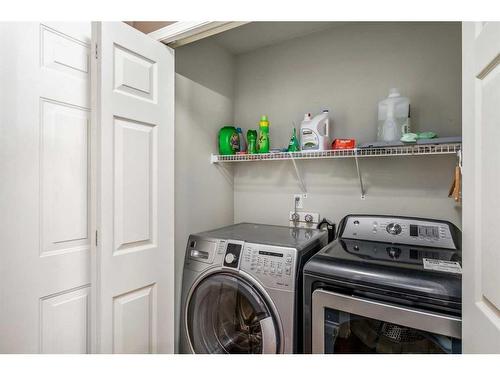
399,230
273,266
233,254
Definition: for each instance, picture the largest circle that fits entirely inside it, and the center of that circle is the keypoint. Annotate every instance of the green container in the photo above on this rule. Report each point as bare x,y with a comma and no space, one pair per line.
293,146
263,143
252,141
229,141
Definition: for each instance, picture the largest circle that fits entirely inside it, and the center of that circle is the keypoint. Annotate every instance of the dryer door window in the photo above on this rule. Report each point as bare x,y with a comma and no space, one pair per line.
344,323
226,314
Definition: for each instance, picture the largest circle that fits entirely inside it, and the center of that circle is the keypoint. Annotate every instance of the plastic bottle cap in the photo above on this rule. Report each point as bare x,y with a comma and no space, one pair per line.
263,118
238,130
394,93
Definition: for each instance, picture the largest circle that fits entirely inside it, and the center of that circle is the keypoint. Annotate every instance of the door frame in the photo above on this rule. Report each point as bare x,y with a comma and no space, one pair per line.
94,206
184,32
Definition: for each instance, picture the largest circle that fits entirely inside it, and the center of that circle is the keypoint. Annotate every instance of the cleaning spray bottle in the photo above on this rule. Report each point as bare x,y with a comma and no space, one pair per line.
243,143
263,142
293,146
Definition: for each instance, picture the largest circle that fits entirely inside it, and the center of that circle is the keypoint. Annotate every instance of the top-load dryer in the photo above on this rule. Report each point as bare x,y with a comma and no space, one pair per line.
387,284
242,289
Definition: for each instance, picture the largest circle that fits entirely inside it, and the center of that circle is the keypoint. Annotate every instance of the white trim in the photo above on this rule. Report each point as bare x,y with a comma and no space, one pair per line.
95,250
184,32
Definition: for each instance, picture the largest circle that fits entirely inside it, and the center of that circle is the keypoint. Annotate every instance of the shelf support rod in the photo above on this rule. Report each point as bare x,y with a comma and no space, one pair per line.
299,177
361,187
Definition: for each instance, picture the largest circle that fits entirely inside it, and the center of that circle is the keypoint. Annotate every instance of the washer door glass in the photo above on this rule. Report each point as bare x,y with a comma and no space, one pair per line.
226,314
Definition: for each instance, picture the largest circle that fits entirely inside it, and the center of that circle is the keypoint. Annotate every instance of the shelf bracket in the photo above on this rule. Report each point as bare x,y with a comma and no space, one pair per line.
360,177
299,177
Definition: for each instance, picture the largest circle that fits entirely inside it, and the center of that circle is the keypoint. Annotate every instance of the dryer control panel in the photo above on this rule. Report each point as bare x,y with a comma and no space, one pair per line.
273,266
402,230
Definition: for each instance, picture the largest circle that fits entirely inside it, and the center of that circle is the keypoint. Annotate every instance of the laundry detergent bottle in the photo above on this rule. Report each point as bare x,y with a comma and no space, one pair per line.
315,132
390,131
229,141
393,117
263,142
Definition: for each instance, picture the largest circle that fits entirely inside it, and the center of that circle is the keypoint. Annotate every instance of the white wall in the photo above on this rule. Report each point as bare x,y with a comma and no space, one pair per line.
203,103
348,69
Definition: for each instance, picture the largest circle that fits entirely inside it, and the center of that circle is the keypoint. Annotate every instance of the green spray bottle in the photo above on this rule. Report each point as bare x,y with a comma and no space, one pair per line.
263,143
293,146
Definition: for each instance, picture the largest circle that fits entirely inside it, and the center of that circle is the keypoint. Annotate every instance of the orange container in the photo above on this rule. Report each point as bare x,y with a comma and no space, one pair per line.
343,144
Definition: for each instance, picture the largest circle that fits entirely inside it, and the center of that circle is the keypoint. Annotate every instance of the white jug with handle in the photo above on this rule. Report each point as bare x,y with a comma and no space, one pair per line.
393,117
315,132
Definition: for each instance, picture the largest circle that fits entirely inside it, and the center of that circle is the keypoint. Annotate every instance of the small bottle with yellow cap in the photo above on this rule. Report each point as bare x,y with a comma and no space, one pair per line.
263,142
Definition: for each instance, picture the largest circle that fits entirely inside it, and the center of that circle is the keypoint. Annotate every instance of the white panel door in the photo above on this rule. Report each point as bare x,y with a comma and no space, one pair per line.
44,188
133,262
481,199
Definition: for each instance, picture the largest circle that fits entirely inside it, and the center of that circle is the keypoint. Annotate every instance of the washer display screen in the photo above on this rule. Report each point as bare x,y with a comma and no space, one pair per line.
424,231
280,255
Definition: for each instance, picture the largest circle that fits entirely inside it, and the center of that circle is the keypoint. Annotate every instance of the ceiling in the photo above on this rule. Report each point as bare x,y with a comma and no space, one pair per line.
148,26
256,35
253,35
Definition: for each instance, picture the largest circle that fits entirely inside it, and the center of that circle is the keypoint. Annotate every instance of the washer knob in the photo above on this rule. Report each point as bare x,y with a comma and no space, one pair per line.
308,218
230,258
393,228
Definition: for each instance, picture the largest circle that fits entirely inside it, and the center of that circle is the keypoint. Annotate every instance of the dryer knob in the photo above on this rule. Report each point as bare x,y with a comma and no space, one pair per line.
394,229
230,258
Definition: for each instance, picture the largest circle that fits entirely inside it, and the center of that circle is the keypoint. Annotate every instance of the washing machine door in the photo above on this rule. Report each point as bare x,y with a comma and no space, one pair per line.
226,314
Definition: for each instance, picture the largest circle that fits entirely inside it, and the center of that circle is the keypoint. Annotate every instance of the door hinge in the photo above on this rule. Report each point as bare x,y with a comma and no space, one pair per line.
96,232
96,51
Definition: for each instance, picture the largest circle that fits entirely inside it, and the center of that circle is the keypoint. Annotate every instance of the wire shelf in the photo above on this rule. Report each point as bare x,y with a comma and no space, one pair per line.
427,149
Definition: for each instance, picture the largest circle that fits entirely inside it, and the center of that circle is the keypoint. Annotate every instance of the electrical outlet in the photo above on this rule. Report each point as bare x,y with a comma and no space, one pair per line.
304,219
300,202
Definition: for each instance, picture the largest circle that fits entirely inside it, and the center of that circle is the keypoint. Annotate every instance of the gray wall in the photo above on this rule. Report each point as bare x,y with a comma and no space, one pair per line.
348,69
204,85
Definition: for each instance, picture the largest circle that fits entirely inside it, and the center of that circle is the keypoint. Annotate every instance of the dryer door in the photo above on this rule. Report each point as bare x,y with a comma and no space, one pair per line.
226,314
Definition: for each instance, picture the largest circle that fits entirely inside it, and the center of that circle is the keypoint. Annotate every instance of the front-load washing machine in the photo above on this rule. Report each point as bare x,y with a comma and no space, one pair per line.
242,289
